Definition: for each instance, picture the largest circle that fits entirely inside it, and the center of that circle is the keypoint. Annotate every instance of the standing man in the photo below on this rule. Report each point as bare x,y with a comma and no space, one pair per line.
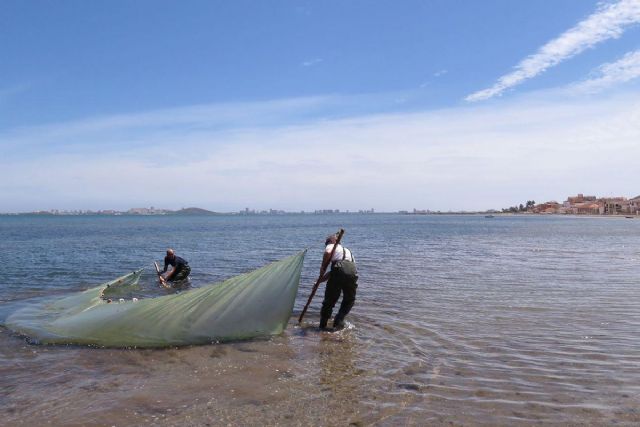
343,278
180,270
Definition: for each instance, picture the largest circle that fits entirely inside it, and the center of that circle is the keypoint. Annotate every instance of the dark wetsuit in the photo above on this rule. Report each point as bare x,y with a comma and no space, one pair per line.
180,265
342,279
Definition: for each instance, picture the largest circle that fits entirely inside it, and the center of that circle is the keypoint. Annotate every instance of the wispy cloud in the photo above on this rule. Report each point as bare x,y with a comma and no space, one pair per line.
182,124
479,156
623,70
437,74
608,22
108,132
311,62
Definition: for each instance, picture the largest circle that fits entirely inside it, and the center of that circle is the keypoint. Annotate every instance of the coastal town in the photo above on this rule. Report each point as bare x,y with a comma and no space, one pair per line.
589,205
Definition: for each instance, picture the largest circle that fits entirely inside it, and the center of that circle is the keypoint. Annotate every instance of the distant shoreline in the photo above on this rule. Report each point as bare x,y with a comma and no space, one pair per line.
486,214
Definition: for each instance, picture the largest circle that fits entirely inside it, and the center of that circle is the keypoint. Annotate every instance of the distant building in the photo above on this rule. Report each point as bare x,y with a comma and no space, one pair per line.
580,198
585,208
634,206
138,211
591,205
146,211
615,205
551,207
583,205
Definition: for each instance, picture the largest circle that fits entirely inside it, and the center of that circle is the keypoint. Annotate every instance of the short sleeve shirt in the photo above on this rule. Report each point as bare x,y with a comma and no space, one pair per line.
337,255
176,262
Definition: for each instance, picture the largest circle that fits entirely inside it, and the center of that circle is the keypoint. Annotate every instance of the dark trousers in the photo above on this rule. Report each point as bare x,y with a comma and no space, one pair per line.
338,283
181,274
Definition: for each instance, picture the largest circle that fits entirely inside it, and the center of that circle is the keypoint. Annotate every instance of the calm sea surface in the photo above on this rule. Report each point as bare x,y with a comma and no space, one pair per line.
460,320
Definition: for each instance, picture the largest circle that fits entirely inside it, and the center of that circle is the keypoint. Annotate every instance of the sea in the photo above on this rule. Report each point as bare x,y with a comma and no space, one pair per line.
459,320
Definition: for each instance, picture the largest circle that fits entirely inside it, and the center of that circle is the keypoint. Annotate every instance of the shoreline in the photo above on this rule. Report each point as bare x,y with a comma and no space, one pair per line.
231,214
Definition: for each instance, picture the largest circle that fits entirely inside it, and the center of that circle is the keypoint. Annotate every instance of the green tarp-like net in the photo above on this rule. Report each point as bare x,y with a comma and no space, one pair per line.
258,303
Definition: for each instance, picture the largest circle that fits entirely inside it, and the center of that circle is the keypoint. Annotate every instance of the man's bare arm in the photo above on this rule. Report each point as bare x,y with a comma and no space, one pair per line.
326,259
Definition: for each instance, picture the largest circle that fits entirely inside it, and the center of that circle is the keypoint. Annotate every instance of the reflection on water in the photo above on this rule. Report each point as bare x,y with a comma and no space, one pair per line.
459,320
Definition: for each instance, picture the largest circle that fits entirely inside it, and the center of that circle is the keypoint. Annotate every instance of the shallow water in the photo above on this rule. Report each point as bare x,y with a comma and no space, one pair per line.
459,320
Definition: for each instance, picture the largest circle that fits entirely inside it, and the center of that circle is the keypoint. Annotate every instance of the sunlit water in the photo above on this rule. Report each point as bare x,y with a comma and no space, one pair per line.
459,320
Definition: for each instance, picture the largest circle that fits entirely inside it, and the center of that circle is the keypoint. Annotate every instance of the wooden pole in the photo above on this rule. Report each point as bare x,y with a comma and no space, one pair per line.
322,271
162,283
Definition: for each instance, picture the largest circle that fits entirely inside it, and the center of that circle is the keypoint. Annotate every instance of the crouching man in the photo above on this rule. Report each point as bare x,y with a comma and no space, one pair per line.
180,270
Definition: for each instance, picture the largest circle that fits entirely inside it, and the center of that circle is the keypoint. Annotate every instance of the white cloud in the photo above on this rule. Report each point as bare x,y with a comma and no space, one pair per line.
311,62
608,22
475,157
623,70
437,74
166,124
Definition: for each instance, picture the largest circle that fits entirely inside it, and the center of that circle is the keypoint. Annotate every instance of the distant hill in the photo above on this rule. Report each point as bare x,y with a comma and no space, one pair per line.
193,211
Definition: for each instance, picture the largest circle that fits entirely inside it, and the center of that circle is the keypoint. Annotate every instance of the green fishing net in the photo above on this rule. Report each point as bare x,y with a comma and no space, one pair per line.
258,303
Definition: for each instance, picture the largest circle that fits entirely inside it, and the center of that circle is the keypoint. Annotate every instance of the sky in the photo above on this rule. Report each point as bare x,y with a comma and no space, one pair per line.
304,105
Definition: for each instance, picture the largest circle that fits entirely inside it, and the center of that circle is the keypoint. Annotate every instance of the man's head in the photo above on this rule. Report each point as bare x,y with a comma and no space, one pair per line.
170,253
331,239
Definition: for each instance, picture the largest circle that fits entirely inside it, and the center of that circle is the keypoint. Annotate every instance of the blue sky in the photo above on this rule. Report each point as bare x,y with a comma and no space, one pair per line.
438,104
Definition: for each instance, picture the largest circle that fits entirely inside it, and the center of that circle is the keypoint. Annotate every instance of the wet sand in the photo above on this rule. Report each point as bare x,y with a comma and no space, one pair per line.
304,377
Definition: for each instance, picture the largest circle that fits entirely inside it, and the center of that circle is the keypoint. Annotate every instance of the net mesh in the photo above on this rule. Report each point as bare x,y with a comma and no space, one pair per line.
258,303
